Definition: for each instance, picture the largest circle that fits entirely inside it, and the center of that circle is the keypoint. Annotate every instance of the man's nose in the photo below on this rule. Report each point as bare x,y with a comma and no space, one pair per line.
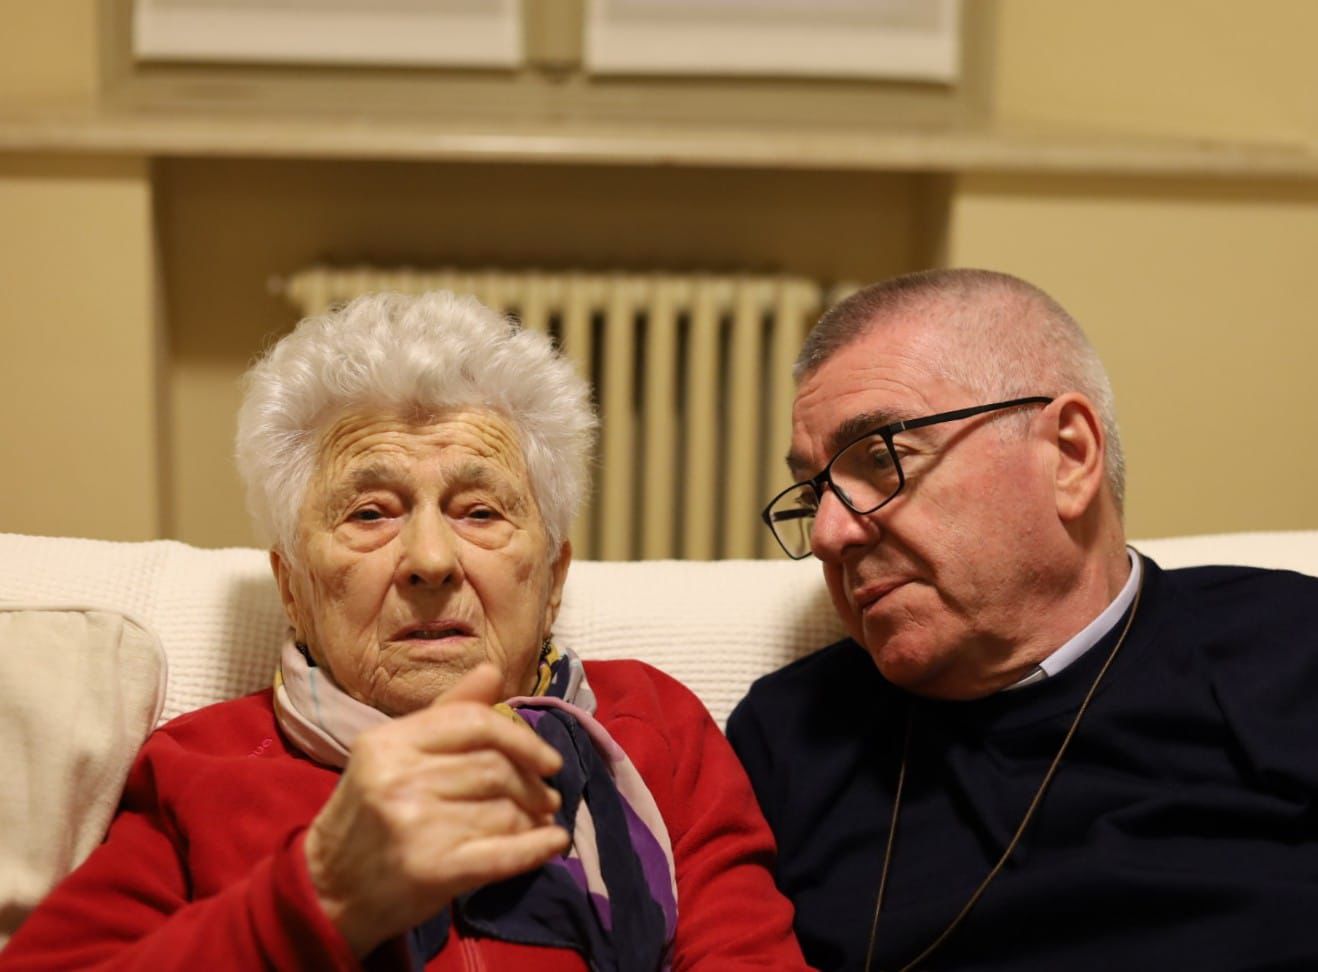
837,530
430,550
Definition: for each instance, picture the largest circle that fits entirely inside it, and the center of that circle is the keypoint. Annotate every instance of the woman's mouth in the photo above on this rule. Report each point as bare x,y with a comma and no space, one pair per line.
433,631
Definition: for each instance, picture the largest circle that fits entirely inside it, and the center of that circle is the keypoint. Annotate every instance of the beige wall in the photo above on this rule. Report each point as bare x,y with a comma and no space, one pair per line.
79,415
1195,296
79,444
1191,289
1196,293
48,52
1212,68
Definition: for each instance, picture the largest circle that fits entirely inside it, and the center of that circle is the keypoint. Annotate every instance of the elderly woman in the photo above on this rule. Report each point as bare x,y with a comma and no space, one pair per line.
432,781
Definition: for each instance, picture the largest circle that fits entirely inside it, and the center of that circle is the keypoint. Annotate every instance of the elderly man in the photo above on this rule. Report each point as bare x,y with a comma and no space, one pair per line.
1037,750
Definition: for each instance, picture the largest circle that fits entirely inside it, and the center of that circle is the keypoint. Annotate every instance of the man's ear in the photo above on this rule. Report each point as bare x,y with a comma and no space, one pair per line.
558,576
284,581
1081,449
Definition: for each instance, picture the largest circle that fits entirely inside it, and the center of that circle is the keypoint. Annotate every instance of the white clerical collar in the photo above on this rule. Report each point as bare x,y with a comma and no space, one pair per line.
1092,633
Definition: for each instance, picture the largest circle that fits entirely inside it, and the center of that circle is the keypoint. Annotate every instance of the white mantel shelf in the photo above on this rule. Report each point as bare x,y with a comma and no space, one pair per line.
159,135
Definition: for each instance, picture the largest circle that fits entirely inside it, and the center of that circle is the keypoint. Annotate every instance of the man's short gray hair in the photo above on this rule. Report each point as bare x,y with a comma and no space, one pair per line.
1004,338
422,353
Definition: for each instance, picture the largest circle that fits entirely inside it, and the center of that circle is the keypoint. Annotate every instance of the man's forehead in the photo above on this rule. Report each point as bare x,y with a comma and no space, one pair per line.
847,430
830,413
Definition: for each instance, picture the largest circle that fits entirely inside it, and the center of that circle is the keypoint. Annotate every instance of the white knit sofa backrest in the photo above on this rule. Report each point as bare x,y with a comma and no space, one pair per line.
714,625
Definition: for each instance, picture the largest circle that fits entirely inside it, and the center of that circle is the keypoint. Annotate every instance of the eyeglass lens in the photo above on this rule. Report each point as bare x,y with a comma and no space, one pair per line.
863,475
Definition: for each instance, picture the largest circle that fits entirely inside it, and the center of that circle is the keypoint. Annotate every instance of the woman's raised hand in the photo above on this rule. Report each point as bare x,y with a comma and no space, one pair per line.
431,805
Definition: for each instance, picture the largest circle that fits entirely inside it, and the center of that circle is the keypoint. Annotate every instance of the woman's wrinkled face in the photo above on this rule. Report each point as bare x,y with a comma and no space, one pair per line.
421,553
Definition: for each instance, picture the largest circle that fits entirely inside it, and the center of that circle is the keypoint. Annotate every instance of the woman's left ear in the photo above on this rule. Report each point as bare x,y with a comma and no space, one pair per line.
284,581
1081,447
557,577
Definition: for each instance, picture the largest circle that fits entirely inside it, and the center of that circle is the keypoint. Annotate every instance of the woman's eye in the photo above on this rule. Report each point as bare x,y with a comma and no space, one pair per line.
482,513
367,515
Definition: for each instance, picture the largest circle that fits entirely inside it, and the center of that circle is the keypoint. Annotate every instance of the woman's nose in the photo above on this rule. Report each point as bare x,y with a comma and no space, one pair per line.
431,556
837,531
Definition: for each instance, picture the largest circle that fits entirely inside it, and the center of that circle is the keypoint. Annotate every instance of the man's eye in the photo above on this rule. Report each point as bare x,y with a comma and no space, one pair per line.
880,458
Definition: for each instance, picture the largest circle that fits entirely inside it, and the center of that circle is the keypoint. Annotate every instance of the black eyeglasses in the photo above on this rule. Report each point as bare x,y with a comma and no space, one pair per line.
864,474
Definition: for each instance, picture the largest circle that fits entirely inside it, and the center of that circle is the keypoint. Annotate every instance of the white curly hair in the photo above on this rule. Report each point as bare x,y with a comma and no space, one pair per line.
429,352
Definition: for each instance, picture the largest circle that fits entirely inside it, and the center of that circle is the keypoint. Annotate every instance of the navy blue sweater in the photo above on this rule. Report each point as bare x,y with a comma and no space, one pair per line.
1180,832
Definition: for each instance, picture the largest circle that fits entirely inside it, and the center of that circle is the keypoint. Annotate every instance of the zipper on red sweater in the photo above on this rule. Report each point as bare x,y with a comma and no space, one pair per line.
471,955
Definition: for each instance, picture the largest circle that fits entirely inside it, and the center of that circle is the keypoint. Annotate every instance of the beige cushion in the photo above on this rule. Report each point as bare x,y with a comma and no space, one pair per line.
81,689
1280,550
714,625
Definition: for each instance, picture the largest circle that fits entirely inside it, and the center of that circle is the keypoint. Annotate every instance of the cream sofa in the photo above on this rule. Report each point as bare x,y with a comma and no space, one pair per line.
99,642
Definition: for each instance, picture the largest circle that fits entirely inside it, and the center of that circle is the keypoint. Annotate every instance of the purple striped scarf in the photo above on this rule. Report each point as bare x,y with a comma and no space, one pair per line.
612,897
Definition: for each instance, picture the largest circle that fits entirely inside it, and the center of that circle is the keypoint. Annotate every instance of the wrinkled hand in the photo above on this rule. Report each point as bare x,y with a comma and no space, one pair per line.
431,805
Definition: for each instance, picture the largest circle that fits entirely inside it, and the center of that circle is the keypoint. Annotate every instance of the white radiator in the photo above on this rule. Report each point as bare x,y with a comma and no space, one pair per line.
692,374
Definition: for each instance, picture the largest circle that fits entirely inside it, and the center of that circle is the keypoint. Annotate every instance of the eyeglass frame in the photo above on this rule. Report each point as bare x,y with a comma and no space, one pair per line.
886,432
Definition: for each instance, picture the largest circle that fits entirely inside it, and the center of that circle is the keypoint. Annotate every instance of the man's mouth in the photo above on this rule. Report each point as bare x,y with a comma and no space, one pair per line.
871,594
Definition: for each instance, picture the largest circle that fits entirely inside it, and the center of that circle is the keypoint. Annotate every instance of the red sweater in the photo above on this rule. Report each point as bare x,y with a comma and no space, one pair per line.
203,865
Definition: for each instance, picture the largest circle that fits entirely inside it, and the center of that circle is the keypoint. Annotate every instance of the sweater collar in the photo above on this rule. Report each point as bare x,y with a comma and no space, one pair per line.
1091,634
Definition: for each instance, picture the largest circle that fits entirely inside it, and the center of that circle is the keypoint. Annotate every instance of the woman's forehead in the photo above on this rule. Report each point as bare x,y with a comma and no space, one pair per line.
371,442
